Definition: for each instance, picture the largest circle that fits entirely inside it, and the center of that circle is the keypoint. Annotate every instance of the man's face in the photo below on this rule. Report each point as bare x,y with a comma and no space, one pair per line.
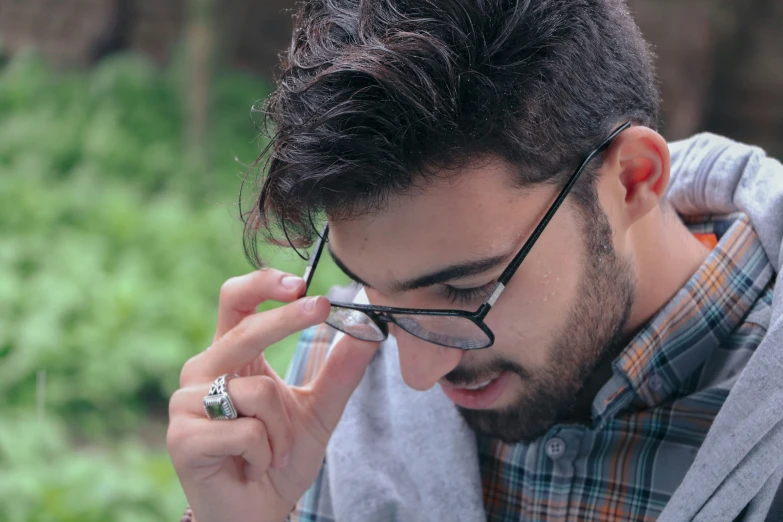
563,309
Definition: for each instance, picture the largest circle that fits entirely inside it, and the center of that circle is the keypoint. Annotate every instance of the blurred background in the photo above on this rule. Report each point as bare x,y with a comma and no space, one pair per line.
125,131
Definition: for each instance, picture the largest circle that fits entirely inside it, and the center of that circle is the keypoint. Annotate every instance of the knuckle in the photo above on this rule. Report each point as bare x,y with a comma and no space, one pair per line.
242,332
230,287
255,432
270,322
234,286
188,371
176,435
264,389
181,404
290,316
175,404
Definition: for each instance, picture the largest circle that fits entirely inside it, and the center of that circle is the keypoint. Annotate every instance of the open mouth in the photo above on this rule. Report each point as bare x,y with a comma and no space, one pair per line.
477,395
478,386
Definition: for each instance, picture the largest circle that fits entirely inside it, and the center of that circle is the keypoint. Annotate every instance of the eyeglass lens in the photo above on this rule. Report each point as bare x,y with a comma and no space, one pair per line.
355,323
445,330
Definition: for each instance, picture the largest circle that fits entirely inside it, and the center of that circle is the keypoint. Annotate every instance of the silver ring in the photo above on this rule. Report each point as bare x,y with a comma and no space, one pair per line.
218,405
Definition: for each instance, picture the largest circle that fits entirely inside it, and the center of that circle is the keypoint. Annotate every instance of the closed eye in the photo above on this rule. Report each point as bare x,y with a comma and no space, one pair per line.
466,296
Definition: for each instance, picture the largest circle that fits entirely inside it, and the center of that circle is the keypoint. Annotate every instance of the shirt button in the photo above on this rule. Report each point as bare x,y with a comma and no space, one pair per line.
555,448
655,382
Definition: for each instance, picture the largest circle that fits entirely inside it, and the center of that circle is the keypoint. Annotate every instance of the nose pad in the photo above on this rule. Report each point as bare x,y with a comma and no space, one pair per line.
422,363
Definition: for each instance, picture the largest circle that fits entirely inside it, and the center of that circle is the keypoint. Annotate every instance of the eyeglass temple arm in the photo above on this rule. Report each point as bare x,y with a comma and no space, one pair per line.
319,247
514,265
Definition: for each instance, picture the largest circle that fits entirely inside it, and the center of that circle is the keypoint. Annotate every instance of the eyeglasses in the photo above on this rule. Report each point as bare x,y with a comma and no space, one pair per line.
451,328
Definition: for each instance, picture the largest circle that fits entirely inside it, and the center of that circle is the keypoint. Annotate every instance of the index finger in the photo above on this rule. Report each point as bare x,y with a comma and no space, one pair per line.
248,340
240,296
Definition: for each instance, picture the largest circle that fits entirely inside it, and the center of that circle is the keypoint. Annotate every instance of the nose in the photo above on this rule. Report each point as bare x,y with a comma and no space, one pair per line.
422,363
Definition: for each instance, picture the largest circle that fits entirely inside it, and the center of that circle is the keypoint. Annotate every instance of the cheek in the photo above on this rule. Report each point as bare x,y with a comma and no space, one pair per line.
533,310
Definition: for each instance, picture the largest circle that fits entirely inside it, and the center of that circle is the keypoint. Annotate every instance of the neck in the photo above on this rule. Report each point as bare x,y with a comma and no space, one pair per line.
665,256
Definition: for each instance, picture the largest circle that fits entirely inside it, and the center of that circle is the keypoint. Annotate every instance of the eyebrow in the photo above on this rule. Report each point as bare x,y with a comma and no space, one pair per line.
345,269
449,273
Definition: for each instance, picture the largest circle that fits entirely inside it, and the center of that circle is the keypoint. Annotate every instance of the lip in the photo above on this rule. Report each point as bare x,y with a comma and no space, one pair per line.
477,399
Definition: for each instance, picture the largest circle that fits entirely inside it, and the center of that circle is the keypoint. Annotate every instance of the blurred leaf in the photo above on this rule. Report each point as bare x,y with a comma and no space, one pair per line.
113,247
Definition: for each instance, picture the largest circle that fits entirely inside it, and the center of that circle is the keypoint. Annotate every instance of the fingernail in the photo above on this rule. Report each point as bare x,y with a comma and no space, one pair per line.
309,304
292,282
284,461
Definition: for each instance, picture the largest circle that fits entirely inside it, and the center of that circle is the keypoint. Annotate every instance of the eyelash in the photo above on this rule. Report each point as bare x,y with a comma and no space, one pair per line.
467,295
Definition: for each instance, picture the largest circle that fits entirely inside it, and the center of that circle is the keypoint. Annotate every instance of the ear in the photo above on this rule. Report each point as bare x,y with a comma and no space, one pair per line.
637,169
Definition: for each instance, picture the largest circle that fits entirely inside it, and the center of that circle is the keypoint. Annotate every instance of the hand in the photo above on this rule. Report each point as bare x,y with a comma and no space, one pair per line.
256,467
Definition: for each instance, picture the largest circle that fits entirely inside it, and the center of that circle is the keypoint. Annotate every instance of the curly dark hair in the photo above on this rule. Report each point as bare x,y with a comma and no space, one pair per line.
379,97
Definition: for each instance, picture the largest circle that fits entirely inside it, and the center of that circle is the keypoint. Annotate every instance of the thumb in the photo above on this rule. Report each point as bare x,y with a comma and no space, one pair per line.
341,374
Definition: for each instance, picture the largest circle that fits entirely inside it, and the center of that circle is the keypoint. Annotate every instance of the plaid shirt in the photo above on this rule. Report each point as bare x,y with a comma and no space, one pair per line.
649,419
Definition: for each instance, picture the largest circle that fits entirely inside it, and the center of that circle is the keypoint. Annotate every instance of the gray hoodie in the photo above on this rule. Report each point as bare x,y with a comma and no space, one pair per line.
741,460
416,435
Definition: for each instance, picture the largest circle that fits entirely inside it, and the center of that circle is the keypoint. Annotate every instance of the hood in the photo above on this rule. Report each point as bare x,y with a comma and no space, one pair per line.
739,466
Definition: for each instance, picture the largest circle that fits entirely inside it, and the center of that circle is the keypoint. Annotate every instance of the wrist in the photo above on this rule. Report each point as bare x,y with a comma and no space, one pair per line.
188,516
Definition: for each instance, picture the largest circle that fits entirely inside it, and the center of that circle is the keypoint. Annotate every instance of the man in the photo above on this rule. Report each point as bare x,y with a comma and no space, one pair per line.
555,342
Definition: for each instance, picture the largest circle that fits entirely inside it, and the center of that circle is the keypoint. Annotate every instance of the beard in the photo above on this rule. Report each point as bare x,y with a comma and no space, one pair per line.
592,335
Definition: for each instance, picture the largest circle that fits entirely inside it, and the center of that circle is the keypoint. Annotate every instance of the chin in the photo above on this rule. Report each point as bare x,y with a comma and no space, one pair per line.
521,417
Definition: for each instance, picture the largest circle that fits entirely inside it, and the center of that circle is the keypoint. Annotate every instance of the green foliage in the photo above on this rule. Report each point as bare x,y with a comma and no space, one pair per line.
126,120
113,247
45,480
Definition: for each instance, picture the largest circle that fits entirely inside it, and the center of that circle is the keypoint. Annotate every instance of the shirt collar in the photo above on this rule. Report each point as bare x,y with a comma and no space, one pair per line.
694,322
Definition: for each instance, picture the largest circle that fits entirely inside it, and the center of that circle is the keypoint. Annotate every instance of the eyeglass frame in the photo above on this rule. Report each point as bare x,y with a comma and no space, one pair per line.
382,315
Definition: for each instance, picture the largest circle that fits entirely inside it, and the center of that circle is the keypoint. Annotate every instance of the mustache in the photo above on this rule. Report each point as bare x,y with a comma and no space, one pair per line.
462,375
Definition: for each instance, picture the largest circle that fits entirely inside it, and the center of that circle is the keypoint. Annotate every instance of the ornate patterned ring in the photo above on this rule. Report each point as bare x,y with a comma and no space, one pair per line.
218,405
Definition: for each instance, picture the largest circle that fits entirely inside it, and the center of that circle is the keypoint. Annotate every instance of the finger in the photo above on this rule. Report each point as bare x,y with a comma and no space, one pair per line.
240,296
247,340
261,397
258,396
341,374
203,443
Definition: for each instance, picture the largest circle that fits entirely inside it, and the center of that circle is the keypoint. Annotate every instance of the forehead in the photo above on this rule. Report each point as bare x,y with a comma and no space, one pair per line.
468,215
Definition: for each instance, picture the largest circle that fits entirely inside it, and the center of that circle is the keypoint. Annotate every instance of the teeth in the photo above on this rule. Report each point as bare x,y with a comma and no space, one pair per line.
478,386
